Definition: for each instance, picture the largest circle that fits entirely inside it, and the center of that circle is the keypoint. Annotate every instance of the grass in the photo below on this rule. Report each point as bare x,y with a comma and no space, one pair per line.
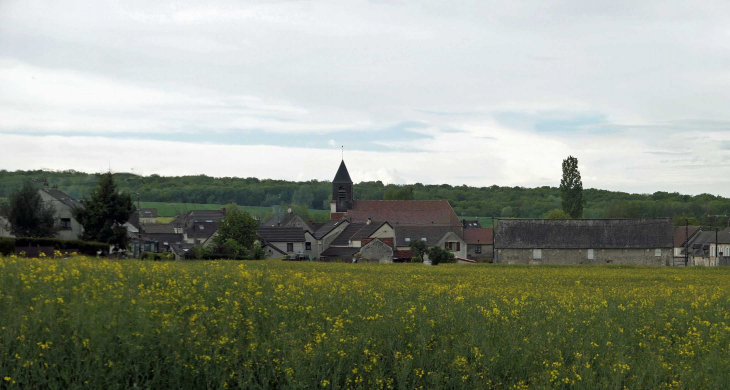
88,323
171,209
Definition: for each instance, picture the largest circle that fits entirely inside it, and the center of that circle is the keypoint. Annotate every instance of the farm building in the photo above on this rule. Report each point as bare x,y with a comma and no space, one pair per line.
585,241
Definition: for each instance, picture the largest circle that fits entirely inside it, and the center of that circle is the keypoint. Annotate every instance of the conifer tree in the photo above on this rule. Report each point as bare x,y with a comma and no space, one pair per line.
28,215
104,212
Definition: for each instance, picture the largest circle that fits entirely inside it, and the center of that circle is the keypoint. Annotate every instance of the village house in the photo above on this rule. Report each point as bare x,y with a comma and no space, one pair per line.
479,244
290,219
703,250
147,215
63,205
5,228
585,241
683,236
287,242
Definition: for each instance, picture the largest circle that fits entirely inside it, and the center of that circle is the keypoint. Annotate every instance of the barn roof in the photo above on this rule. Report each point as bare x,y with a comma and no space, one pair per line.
584,233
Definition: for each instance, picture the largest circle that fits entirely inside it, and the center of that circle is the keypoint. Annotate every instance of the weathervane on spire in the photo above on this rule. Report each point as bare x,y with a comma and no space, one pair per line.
343,152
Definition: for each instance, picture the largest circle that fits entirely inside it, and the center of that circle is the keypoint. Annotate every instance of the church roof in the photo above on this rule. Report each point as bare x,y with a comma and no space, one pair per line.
404,212
342,175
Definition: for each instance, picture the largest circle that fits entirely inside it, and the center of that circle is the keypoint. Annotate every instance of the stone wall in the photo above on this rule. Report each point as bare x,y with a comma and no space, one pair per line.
377,251
580,256
484,257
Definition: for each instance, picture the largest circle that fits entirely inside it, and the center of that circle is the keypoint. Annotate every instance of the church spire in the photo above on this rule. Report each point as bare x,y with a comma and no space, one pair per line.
342,175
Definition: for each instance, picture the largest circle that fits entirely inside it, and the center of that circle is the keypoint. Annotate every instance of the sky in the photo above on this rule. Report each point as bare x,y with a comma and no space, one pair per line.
469,92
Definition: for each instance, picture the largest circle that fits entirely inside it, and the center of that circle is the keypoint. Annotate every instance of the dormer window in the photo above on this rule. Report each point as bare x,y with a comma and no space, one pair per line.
408,239
202,227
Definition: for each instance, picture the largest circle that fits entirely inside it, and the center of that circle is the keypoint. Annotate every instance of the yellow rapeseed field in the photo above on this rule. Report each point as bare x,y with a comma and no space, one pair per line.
97,324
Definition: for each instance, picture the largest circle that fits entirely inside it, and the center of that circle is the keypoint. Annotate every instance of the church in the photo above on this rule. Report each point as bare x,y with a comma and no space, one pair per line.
382,230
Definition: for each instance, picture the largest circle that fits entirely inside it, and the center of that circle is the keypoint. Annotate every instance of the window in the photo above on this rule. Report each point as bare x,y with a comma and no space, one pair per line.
408,239
591,254
478,249
202,227
537,254
209,220
423,239
342,194
290,247
308,246
65,223
657,253
165,243
452,246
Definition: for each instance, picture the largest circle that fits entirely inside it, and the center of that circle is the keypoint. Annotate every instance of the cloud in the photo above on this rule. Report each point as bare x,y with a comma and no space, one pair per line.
441,93
331,143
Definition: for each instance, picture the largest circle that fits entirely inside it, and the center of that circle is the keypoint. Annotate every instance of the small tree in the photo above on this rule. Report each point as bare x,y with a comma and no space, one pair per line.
440,255
556,214
237,227
398,193
28,215
419,248
104,212
571,188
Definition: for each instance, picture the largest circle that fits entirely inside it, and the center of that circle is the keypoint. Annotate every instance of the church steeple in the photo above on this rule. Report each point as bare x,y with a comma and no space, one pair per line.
342,192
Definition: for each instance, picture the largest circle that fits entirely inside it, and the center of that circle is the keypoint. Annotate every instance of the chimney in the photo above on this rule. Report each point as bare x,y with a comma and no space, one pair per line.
370,220
223,209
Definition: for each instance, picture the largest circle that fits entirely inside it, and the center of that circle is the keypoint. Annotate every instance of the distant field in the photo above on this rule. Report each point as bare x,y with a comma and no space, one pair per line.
171,209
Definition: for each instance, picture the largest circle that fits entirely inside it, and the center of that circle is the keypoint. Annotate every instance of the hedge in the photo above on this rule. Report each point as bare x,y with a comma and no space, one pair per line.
7,246
83,247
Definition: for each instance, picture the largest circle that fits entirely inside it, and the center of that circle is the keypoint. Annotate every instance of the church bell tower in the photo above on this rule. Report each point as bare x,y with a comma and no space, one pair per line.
342,190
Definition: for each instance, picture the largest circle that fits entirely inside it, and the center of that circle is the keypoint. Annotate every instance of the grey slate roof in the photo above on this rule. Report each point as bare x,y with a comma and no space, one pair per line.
343,239
194,230
432,234
62,197
366,230
343,252
281,234
327,227
158,228
342,175
584,233
274,221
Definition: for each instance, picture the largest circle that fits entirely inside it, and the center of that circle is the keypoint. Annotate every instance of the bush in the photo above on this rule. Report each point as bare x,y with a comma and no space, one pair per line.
416,259
7,246
83,247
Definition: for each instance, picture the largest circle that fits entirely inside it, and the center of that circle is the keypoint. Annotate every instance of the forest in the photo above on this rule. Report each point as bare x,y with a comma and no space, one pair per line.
493,201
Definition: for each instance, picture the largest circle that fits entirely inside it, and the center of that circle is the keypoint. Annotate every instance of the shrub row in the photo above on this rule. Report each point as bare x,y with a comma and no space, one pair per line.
8,245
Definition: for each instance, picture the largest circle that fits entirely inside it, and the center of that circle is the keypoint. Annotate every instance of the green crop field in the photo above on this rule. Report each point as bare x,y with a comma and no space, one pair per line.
167,209
98,324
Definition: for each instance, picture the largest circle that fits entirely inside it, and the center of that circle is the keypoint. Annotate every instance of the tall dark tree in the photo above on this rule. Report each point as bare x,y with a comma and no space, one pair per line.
28,215
104,212
571,188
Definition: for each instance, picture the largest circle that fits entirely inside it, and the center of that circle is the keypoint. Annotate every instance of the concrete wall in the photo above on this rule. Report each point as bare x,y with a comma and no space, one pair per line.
580,256
63,211
377,251
484,257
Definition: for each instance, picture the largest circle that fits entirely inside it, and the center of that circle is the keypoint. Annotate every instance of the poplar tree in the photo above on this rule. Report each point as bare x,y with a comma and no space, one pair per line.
571,188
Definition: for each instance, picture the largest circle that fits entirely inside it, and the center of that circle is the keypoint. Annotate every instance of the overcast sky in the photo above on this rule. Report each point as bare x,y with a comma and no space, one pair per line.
475,93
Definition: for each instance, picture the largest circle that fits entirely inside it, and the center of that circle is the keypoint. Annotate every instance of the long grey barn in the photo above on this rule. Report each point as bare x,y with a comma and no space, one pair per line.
585,241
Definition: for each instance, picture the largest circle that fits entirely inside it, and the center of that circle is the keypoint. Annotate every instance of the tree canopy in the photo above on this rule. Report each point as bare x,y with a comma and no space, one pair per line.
27,214
104,212
571,188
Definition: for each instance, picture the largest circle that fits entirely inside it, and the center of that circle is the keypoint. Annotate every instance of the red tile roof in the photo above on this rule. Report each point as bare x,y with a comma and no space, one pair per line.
405,212
336,216
402,254
680,234
479,236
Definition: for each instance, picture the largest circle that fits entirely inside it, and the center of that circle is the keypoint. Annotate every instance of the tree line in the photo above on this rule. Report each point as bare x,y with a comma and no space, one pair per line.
492,201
